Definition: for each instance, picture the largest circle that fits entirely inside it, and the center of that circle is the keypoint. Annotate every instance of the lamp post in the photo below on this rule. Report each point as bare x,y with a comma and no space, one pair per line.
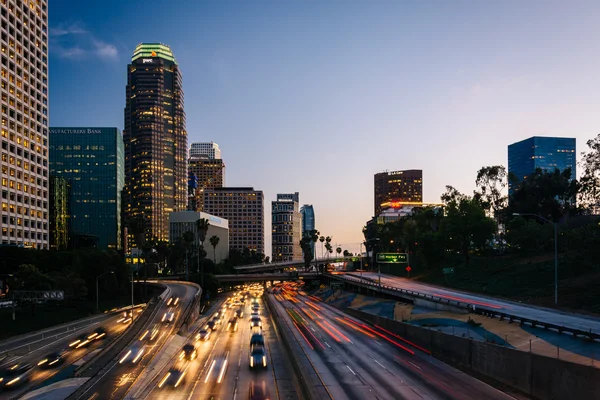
360,258
555,249
97,279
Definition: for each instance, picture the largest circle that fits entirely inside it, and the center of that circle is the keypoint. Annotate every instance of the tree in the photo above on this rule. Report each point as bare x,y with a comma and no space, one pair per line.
214,241
188,240
338,250
305,244
491,181
589,193
466,226
322,239
528,235
202,225
347,253
314,235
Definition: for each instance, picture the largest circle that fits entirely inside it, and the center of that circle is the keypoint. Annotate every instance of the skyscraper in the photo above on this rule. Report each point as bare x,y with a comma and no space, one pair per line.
398,187
287,228
155,139
60,232
24,81
243,207
210,174
547,153
308,221
208,149
91,161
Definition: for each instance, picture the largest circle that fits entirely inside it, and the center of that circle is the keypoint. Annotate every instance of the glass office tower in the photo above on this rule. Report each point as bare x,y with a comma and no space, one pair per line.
547,153
308,222
91,161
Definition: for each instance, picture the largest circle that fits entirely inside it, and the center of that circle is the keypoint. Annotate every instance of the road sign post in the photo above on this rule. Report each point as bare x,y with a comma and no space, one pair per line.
408,269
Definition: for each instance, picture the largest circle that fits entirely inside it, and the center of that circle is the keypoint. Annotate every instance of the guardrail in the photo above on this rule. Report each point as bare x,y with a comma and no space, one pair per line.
471,307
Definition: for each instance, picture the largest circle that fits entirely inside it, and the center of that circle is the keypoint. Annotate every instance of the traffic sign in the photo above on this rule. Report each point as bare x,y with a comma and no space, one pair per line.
392,258
408,268
448,270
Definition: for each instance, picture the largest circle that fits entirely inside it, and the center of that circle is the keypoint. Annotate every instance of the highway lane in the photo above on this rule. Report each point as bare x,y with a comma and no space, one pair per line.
114,326
116,383
582,322
222,369
355,361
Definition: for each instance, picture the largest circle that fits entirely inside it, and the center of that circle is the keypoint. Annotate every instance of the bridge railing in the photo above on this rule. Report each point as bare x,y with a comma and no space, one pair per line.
474,308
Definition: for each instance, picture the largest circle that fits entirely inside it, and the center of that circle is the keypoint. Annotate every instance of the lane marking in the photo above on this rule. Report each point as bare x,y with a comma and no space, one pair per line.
416,366
351,369
327,344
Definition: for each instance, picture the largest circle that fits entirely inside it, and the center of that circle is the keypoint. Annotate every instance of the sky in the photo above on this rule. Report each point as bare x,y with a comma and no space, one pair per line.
317,96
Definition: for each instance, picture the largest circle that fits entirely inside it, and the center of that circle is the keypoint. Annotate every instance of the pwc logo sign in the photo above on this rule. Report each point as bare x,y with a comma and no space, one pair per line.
149,60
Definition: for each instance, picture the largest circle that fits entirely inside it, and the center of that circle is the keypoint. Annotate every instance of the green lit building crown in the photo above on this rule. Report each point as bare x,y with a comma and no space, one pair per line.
147,50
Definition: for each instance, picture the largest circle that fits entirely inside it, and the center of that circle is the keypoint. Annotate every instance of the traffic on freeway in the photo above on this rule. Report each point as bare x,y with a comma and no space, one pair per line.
228,357
357,361
571,320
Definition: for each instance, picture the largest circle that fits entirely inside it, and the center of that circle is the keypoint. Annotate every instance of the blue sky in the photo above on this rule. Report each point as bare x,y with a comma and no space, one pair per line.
317,96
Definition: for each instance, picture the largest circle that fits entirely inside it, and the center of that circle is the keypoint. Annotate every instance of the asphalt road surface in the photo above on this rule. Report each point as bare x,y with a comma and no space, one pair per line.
584,323
354,361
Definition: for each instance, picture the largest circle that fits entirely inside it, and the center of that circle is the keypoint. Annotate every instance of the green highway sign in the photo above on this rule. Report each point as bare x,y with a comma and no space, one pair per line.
392,258
448,270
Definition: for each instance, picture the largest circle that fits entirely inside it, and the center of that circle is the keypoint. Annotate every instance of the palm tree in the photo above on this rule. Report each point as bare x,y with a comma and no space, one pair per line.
214,241
338,250
328,245
188,240
322,239
202,225
314,235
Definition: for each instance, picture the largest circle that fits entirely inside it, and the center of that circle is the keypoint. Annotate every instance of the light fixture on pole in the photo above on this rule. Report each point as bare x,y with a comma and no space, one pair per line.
555,249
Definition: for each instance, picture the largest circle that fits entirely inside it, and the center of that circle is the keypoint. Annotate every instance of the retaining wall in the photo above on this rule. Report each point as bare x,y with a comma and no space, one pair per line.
538,376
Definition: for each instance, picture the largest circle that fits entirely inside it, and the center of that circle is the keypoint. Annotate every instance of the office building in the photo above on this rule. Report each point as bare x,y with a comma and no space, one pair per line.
243,207
286,228
185,221
206,149
547,153
155,139
308,222
24,162
91,161
209,174
59,213
398,187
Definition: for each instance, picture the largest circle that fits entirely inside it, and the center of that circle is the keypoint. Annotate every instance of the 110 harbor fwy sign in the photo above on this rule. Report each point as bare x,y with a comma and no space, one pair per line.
392,258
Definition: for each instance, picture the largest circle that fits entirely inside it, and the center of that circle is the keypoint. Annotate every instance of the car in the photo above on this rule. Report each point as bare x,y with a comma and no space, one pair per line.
258,391
134,354
203,334
258,357
218,320
232,324
52,360
211,325
188,352
168,316
81,341
171,300
99,333
257,339
15,375
151,334
239,313
173,378
254,314
255,321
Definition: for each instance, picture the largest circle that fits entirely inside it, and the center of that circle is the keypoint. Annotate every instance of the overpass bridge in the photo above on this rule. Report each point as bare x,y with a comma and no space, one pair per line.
270,267
269,277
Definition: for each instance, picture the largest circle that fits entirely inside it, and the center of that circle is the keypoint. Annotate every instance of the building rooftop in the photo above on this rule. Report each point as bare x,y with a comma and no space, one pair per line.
153,50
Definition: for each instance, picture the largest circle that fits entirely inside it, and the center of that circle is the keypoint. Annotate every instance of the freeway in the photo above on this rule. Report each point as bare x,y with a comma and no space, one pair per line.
355,361
581,322
77,346
115,382
221,368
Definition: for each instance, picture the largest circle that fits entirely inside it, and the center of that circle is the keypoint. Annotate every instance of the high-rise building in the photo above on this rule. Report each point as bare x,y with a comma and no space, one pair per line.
59,213
308,222
205,149
91,161
398,187
24,163
287,228
243,207
155,139
209,173
547,153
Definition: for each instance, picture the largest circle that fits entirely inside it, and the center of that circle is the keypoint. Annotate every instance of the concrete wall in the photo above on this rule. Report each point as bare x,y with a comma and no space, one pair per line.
540,377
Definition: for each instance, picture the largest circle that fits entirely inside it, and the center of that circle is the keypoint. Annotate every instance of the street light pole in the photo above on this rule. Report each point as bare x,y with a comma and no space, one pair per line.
555,224
97,291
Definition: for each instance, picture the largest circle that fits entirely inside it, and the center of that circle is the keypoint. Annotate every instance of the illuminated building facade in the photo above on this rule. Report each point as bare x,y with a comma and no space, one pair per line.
308,222
547,153
209,173
287,228
59,213
205,149
155,139
243,207
24,138
185,221
91,161
399,187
